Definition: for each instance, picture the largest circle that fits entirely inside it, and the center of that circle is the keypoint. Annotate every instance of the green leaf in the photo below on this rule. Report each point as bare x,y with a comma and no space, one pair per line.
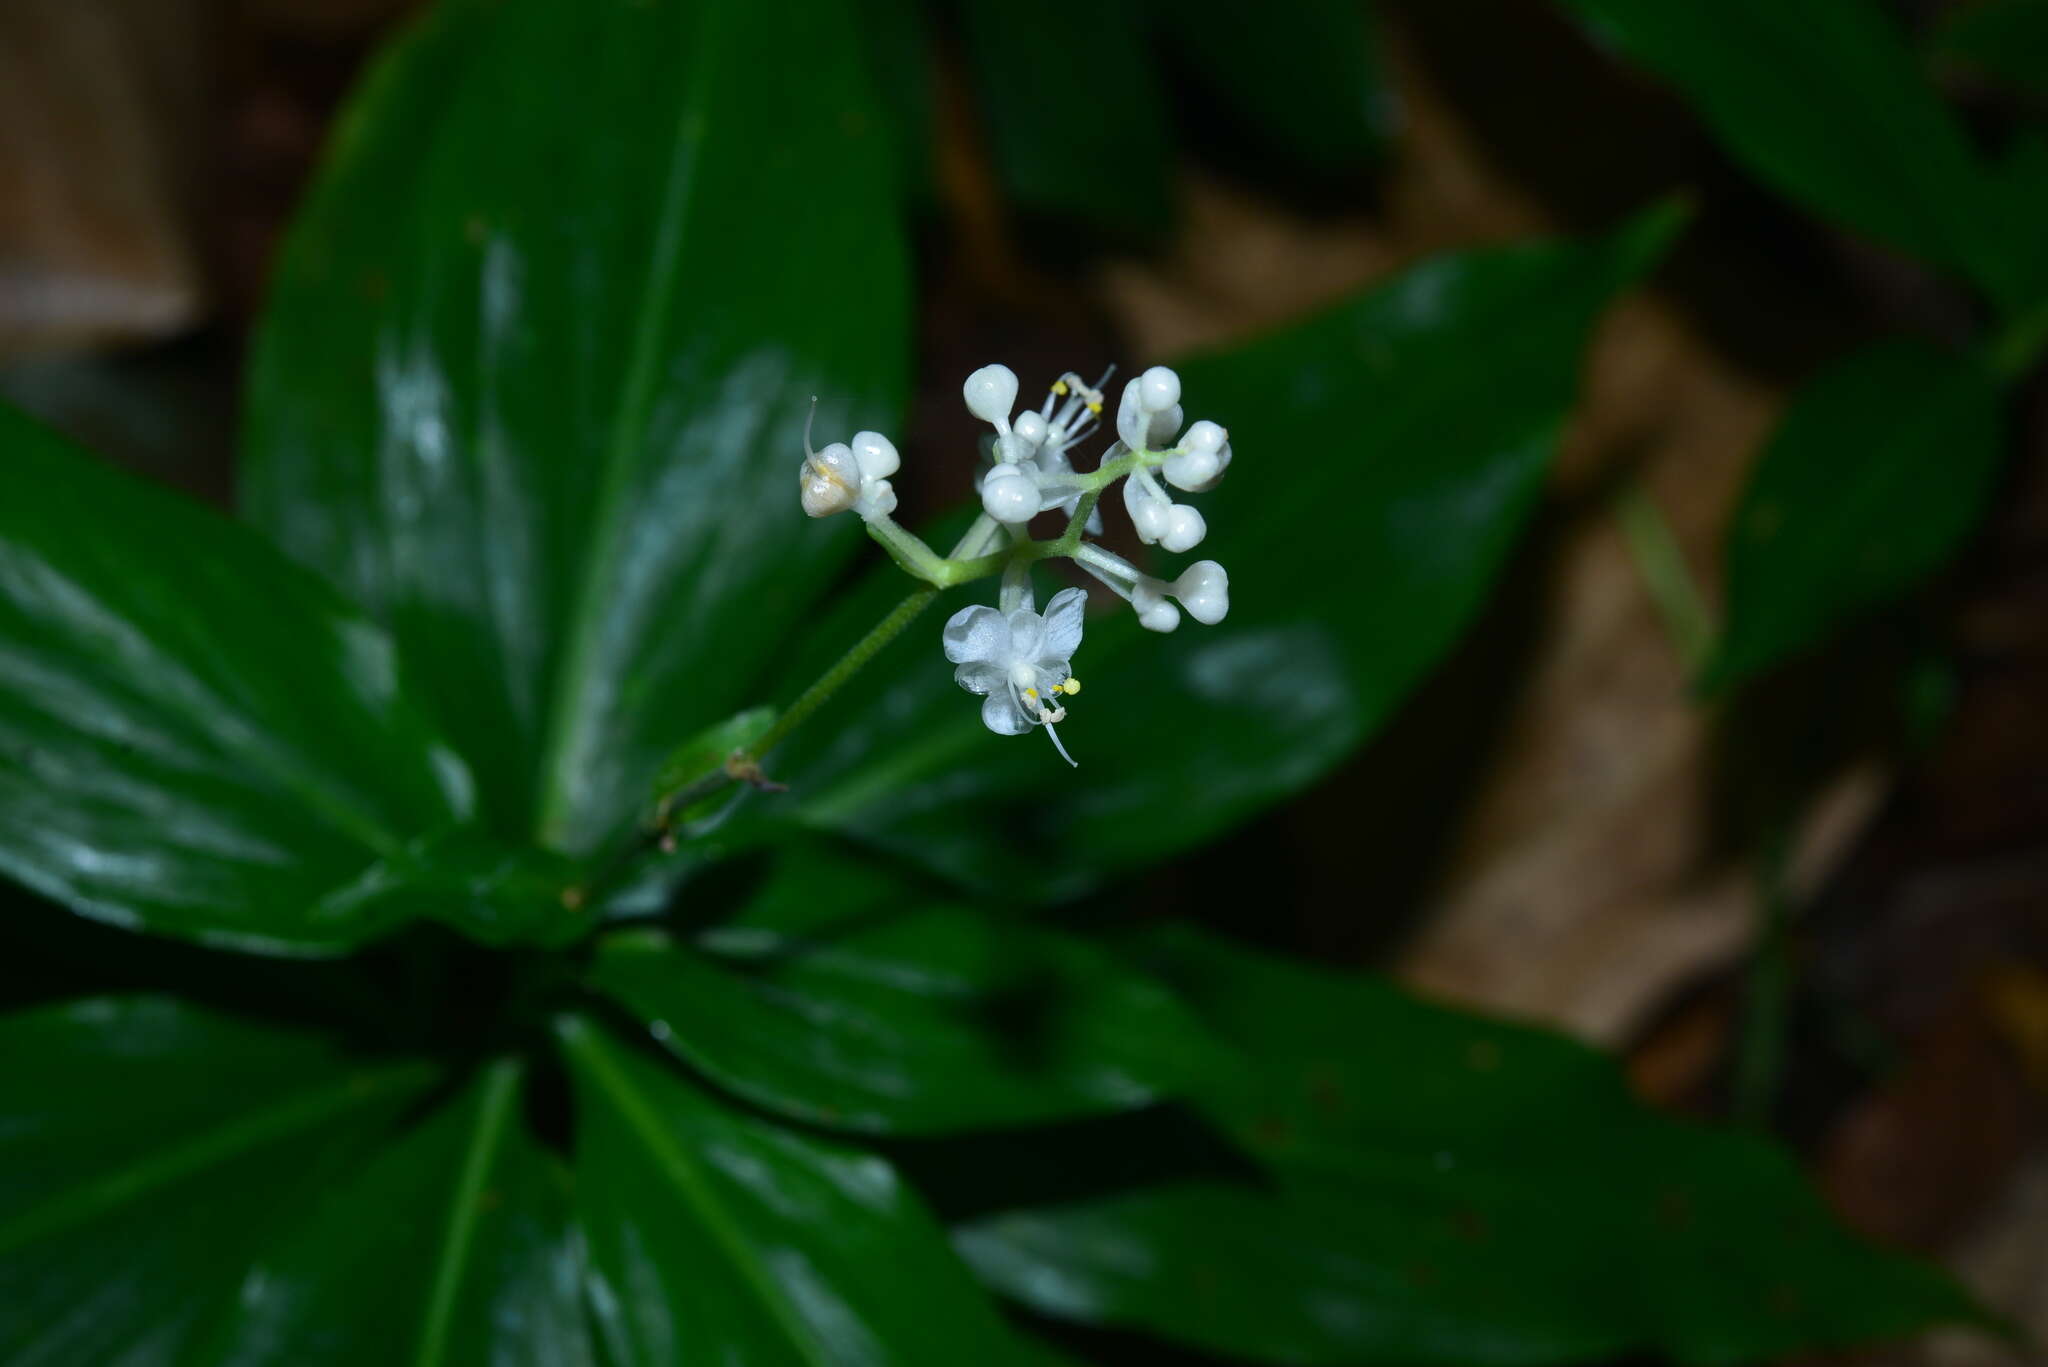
196,737
842,997
2005,39
1443,1188
1388,454
1306,76
1076,121
1824,100
898,47
2022,211
1874,476
715,1238
494,892
535,373
452,1245
148,1150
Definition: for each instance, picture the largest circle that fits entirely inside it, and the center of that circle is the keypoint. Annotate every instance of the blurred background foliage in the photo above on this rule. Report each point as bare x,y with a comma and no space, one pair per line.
1701,702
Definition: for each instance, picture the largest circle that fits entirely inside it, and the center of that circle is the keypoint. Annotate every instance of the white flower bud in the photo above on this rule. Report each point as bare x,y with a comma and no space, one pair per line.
829,481
991,393
1204,590
876,455
1204,456
1150,514
1029,429
1009,495
1184,529
1155,613
1158,389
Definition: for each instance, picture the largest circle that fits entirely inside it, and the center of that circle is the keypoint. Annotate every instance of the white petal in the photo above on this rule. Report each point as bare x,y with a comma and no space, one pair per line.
1162,427
1030,428
1205,436
1130,418
1000,714
1192,470
979,676
1204,590
1148,512
876,455
1010,496
1158,389
977,633
1161,616
1185,528
1063,623
1027,634
1155,613
991,392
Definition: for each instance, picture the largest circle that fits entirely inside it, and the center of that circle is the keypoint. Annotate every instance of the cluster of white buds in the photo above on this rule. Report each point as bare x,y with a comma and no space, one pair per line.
1016,659
1029,471
844,476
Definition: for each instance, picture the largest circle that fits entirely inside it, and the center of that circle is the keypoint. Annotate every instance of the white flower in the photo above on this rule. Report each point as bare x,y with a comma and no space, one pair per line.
846,476
1030,471
1019,663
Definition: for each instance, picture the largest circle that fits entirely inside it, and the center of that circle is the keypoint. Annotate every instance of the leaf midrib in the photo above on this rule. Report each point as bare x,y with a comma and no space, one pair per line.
568,722
690,1183
500,1087
208,1149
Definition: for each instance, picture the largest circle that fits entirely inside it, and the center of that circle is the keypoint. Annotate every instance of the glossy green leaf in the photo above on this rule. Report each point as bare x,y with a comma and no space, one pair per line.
842,997
715,1238
196,736
1076,121
1874,476
452,1245
536,368
1824,100
148,1152
494,892
1444,1188
2004,39
1387,455
1306,77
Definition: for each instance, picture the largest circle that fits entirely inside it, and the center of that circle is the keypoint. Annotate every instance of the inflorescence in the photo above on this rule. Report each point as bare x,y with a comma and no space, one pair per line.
1018,660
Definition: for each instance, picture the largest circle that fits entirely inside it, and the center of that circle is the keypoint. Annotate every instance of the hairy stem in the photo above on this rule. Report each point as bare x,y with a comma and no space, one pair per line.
848,665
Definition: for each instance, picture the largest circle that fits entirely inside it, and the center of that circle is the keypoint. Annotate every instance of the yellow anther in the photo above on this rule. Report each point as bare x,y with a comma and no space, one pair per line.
1071,687
1059,387
1095,407
1031,693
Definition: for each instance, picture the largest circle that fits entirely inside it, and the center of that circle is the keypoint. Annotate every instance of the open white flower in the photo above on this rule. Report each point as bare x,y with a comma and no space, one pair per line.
1018,662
